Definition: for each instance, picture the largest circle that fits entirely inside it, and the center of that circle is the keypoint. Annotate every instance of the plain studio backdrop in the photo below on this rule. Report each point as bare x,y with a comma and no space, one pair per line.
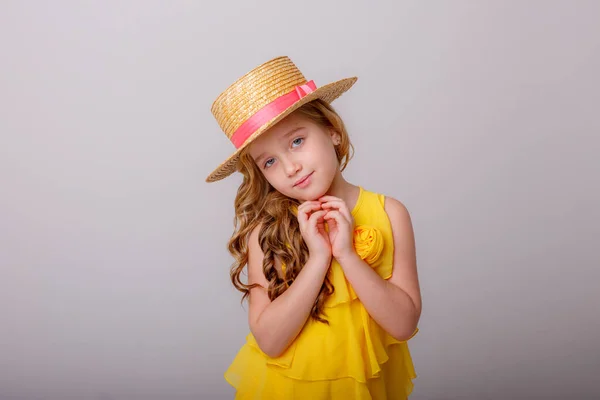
481,117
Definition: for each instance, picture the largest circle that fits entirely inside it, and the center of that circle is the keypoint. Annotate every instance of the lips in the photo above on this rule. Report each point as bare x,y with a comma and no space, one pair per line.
302,179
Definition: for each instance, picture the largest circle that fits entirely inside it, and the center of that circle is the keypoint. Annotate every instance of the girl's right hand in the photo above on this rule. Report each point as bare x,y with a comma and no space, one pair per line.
312,228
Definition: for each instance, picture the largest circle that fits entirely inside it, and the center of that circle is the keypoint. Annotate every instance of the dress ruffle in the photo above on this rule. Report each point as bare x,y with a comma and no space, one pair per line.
353,357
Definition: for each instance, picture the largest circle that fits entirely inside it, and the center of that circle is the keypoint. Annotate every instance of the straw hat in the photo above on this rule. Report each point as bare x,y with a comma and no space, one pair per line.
260,99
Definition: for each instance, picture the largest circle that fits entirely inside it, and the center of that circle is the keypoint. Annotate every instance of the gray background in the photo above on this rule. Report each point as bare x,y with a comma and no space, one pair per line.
481,116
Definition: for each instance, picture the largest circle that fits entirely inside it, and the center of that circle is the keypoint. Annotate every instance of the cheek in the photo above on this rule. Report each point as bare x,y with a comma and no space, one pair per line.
271,179
324,151
274,180
332,155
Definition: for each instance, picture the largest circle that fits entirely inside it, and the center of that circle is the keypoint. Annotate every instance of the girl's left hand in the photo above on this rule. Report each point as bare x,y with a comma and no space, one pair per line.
341,226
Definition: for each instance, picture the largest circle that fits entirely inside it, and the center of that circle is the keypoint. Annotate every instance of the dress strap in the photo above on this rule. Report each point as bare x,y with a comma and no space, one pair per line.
381,198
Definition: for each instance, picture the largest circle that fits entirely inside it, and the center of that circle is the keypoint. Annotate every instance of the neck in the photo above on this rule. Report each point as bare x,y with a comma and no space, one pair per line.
343,189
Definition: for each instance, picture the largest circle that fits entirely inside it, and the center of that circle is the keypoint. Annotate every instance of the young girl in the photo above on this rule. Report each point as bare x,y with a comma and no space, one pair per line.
332,278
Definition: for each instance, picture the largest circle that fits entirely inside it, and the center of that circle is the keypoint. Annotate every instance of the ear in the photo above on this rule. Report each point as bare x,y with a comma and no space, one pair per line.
336,138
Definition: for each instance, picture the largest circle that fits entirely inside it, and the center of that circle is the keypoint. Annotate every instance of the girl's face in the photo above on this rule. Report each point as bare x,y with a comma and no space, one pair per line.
297,157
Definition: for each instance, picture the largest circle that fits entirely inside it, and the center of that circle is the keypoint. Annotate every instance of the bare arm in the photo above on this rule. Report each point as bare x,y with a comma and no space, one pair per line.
395,304
275,324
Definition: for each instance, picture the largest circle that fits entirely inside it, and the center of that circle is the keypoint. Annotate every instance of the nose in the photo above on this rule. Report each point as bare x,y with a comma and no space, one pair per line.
291,166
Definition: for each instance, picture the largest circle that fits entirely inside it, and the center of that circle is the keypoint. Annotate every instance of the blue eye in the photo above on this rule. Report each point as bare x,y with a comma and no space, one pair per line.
270,160
298,141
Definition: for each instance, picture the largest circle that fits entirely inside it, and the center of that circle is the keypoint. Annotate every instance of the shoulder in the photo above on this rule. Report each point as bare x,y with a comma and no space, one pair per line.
253,236
397,212
256,257
389,203
399,216
395,207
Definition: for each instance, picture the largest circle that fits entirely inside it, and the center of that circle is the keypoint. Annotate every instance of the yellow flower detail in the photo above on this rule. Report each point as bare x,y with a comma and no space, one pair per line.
368,242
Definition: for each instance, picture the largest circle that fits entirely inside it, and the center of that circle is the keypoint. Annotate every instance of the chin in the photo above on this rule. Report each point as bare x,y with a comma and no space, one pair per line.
315,192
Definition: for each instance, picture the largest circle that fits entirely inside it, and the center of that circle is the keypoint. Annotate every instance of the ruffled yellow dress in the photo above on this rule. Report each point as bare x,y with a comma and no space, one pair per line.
352,357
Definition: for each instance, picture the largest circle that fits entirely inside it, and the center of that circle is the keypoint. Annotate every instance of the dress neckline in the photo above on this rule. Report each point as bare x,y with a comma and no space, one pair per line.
358,200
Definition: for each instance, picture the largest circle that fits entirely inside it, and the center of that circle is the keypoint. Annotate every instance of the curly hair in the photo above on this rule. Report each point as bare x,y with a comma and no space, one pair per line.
257,202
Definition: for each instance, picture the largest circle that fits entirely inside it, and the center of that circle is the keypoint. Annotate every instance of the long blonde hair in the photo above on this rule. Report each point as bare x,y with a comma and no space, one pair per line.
258,202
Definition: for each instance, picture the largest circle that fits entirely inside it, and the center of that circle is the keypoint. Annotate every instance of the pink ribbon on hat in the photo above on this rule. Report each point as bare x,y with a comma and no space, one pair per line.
269,112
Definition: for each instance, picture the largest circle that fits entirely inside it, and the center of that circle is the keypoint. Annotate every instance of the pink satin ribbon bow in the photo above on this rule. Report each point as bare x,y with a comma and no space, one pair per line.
269,112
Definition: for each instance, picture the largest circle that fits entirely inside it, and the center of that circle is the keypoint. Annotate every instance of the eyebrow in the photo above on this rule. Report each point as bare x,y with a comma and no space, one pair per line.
282,137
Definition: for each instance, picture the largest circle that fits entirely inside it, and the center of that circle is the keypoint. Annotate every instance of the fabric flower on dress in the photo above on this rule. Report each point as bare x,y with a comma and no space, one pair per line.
368,242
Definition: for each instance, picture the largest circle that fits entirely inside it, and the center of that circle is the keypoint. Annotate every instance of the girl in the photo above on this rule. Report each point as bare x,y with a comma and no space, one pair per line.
332,278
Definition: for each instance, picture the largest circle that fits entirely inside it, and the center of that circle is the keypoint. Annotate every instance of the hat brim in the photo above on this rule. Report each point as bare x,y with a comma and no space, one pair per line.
327,93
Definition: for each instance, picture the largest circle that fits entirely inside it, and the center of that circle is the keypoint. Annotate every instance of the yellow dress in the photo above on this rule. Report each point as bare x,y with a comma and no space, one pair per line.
352,357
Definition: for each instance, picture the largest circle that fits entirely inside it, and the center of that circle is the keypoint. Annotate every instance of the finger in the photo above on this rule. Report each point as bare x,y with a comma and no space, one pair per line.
331,224
340,205
308,204
321,226
306,208
316,216
333,203
341,212
337,216
315,219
